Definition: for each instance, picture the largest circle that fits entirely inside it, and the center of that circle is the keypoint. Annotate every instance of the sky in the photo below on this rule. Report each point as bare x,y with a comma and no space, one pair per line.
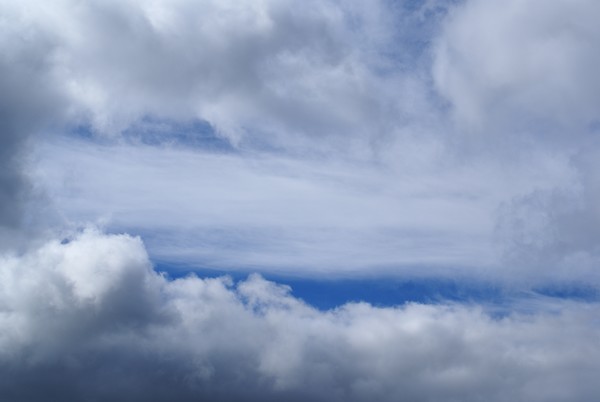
332,200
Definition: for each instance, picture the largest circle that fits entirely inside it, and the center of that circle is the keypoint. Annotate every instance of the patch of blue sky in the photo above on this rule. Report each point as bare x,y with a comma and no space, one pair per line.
154,131
82,131
191,134
329,293
416,25
569,291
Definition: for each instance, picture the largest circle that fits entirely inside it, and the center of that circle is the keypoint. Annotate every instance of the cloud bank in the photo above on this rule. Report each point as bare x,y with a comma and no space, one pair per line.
89,319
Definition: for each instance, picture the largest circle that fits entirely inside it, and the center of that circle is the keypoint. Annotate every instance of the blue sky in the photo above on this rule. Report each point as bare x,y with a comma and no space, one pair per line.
273,200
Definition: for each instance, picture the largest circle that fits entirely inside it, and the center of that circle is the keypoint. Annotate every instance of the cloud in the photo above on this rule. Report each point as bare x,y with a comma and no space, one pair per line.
265,72
555,228
266,77
282,214
28,100
283,90
523,67
89,319
520,78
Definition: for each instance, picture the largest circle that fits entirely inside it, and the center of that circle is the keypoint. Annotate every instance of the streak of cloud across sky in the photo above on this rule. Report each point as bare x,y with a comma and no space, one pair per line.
332,200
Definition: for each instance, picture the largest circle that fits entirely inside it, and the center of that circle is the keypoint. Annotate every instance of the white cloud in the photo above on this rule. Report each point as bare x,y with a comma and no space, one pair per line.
90,319
306,216
264,75
521,78
525,66
256,71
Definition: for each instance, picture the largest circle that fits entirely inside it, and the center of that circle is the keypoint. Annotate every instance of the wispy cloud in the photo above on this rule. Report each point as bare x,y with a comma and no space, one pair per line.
287,214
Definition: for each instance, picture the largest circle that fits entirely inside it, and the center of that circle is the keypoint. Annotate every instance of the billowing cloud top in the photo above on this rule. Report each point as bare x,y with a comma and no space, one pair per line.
411,140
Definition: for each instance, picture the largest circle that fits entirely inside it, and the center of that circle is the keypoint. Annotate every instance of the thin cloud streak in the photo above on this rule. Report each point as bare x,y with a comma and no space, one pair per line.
286,214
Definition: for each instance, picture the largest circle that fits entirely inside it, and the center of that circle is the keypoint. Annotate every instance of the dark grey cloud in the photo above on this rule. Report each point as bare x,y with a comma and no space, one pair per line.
29,101
16,111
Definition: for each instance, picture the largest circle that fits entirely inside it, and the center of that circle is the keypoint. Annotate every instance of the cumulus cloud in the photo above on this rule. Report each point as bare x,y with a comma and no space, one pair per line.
89,319
257,72
525,66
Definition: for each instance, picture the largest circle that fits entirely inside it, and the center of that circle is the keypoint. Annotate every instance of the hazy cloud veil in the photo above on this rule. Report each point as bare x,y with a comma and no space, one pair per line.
322,139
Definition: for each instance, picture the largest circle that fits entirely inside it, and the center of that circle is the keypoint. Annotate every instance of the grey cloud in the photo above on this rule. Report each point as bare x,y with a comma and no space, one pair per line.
29,100
90,320
521,67
257,72
327,79
555,231
265,73
521,79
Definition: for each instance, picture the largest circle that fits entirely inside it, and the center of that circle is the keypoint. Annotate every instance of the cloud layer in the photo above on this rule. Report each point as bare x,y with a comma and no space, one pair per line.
256,72
381,137
89,319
